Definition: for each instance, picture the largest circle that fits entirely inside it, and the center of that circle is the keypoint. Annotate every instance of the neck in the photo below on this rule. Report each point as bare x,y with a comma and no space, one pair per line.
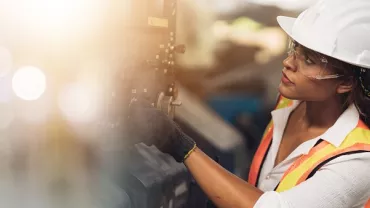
322,113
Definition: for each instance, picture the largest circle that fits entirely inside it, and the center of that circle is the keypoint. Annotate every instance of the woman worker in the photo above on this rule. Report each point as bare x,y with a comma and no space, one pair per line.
315,153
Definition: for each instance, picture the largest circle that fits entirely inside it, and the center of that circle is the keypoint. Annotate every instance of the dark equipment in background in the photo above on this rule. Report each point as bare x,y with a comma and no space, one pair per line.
150,178
146,177
155,180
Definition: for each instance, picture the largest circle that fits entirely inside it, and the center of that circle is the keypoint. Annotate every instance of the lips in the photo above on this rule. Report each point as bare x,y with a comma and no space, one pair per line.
286,80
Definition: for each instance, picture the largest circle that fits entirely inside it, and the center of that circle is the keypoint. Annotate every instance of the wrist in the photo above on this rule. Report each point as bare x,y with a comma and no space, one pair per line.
191,151
182,146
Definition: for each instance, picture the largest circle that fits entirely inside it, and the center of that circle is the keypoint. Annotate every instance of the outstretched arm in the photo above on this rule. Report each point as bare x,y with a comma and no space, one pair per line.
222,187
342,183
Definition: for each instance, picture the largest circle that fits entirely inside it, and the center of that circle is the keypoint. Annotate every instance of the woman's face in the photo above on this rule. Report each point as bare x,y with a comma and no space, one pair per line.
299,80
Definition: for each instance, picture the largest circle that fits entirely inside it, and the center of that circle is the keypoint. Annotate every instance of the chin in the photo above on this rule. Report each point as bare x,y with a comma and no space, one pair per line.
288,92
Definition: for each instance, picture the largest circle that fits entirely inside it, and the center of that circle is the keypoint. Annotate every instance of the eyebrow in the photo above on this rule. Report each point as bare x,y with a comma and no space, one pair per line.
311,54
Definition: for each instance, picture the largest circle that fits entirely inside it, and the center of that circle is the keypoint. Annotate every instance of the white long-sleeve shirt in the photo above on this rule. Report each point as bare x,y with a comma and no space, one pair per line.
342,183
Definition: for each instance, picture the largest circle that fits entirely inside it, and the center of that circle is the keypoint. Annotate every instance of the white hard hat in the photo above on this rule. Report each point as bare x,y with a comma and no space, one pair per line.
336,28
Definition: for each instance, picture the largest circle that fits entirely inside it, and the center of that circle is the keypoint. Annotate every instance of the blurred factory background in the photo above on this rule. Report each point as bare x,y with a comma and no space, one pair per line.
69,68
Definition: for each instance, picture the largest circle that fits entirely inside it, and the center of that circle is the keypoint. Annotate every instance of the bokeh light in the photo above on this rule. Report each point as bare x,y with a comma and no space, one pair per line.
76,102
29,83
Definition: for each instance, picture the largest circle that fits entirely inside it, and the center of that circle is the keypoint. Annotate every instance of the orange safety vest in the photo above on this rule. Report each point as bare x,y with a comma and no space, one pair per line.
357,141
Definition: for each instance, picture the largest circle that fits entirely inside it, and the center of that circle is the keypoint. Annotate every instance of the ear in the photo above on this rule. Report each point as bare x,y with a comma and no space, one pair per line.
345,86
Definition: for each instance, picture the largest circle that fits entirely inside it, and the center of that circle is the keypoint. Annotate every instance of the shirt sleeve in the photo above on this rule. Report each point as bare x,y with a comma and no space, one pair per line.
342,183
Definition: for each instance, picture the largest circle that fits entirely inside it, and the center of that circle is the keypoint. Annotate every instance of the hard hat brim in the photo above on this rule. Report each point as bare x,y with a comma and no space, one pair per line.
286,23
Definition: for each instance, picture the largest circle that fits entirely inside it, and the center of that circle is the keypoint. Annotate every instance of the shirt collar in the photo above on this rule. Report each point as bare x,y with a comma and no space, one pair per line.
336,134
342,127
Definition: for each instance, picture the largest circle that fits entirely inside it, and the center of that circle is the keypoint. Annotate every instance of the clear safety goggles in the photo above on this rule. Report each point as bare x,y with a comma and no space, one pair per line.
309,63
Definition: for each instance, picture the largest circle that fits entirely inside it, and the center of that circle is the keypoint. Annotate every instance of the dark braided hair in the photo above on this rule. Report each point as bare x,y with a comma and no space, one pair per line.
361,95
360,79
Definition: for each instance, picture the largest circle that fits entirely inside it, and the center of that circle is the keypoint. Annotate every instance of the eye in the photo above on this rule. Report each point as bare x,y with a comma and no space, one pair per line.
308,61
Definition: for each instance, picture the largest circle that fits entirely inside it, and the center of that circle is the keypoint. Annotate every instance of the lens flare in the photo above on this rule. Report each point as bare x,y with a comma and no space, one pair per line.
29,83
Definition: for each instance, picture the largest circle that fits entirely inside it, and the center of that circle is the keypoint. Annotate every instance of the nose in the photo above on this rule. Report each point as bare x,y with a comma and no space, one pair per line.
289,63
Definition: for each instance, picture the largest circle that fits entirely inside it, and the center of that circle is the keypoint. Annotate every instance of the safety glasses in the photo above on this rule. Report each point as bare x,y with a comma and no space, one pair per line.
310,63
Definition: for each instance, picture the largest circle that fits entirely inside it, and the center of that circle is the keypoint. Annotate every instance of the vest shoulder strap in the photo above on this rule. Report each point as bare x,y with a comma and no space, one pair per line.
358,141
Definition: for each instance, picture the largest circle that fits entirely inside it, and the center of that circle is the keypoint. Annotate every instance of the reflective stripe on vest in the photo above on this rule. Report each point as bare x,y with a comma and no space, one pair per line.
356,142
265,145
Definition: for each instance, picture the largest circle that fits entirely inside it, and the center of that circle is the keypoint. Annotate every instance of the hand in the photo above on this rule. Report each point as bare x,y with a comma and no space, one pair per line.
151,126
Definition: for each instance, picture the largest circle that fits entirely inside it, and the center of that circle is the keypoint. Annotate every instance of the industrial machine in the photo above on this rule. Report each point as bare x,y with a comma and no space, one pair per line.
74,80
147,71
